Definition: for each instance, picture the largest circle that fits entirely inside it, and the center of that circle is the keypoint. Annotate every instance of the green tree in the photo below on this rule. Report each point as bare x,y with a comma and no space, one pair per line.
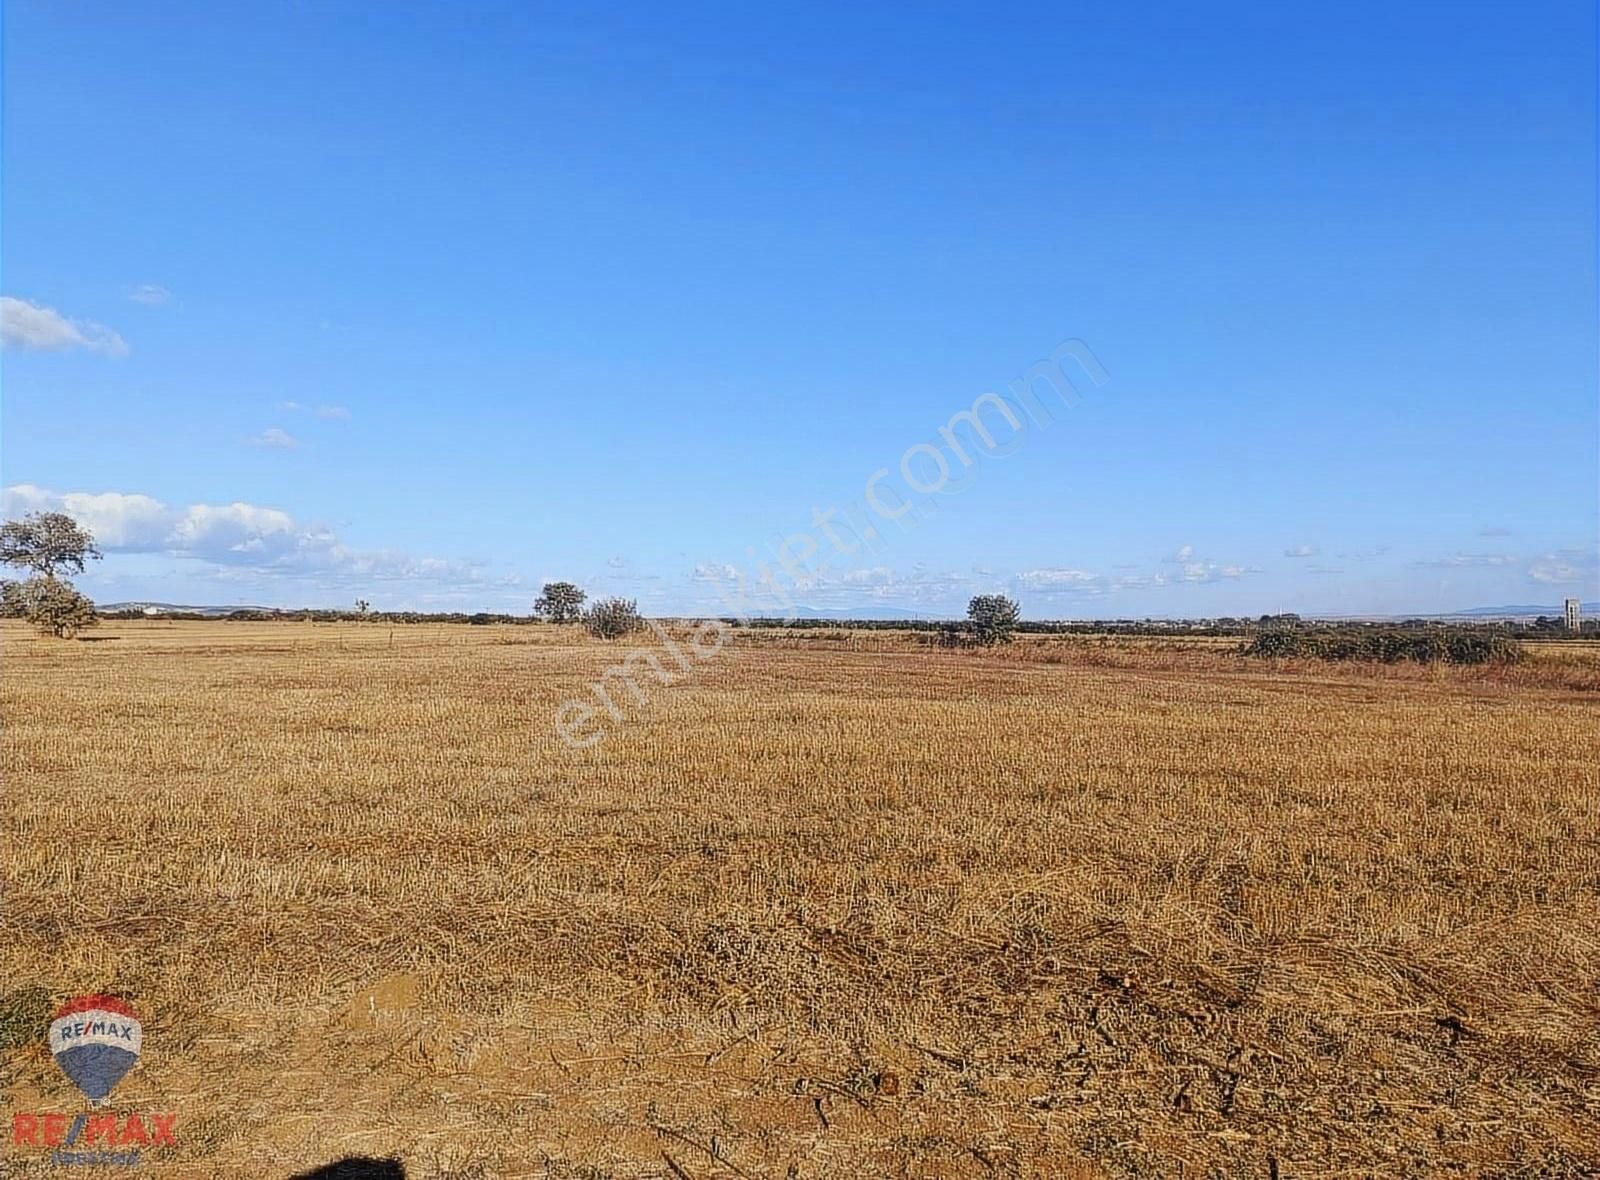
612,618
993,618
47,543
560,602
12,602
55,607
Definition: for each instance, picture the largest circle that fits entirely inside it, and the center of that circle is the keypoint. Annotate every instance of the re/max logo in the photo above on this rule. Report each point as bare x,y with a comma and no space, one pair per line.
87,1028
109,1130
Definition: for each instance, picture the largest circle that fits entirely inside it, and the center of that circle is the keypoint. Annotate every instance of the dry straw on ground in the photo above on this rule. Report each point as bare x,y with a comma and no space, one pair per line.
836,907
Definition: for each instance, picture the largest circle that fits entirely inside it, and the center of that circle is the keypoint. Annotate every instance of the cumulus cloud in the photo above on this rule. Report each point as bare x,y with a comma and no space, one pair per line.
715,572
238,536
1300,551
118,520
149,294
34,326
338,413
276,438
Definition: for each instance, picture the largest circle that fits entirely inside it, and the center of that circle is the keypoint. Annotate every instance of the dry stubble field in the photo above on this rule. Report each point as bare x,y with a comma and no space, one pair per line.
835,907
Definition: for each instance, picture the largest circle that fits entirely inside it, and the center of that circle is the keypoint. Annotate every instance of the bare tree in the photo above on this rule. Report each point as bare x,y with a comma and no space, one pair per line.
612,618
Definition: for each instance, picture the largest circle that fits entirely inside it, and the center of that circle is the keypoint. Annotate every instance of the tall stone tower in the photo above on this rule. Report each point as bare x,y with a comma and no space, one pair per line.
1574,615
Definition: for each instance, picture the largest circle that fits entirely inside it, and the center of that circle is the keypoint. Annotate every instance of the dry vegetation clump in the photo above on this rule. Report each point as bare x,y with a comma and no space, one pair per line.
837,907
1378,645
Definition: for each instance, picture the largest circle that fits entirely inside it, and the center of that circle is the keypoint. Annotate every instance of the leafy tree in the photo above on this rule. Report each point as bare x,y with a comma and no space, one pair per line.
363,607
12,604
612,618
993,618
47,543
55,607
560,602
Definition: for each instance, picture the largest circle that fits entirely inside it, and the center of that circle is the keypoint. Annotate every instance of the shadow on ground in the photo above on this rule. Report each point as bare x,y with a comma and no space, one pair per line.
356,1167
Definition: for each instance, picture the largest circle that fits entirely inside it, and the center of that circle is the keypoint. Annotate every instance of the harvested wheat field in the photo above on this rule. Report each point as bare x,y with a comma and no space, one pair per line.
834,906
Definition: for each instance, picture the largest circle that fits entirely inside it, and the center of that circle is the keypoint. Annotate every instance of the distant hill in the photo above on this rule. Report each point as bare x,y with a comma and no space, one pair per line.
174,608
1519,611
856,614
880,614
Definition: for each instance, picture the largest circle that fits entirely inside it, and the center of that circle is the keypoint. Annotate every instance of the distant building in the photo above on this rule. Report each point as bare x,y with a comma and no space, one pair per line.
1574,615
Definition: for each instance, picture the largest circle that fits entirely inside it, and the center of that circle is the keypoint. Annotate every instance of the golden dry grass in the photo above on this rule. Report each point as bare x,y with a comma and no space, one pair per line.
832,908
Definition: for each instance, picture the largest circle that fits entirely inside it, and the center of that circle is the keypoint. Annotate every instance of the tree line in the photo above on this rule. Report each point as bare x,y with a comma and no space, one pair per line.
50,545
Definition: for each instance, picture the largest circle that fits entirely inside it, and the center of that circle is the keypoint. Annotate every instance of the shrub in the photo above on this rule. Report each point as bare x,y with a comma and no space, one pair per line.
1435,646
611,618
13,603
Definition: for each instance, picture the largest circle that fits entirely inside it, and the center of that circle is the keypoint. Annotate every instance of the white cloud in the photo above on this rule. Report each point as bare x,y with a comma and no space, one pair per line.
246,538
30,325
274,437
714,572
876,577
1560,569
1060,581
1201,570
1300,551
1211,571
1472,561
1137,581
149,294
117,520
333,412
289,407
236,527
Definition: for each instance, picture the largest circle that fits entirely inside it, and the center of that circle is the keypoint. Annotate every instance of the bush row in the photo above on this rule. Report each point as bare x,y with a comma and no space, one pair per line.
1387,646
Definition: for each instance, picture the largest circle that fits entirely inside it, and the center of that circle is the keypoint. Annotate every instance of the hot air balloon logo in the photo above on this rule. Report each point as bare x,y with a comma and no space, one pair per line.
96,1040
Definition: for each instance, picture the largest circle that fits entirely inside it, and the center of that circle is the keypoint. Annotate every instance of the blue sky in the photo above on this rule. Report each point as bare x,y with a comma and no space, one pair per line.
428,303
